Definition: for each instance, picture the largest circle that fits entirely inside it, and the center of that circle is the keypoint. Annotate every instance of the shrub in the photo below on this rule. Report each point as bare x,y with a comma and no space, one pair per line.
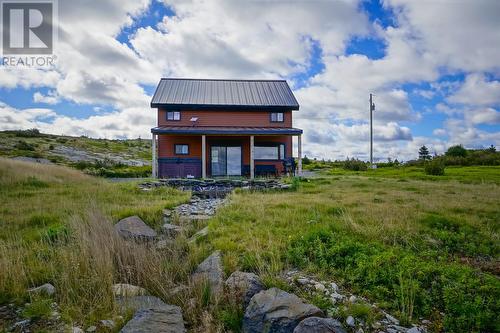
23,145
434,167
355,165
421,285
29,133
457,151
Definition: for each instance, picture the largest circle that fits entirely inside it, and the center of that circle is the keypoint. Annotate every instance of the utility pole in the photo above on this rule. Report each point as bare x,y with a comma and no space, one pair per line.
372,108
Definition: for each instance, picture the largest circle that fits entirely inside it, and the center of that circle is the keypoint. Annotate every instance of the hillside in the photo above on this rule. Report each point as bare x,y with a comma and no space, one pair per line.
101,157
425,251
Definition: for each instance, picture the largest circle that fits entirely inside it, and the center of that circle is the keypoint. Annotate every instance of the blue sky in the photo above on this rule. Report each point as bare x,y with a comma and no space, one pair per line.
435,82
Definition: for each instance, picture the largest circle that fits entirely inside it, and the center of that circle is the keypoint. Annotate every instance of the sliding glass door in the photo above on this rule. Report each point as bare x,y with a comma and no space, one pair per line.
226,161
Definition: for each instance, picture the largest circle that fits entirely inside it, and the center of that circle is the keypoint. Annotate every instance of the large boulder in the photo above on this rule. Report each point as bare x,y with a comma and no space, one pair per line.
319,325
138,303
154,316
133,227
128,290
210,270
243,286
275,310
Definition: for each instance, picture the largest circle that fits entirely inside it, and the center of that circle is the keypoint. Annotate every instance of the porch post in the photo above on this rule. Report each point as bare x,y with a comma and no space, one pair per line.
299,163
154,163
252,166
203,156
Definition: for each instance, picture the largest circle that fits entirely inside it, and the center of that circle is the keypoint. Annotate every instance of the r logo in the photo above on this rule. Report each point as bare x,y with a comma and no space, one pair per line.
27,27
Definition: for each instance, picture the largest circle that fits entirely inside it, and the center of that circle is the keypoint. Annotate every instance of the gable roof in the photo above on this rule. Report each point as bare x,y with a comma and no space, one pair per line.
224,94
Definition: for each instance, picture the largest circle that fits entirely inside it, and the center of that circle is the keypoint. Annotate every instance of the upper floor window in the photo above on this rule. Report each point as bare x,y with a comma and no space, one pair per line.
173,115
277,117
181,149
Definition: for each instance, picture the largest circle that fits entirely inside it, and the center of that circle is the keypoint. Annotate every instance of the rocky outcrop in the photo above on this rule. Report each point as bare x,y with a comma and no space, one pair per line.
210,270
133,227
127,290
242,286
275,310
319,325
154,316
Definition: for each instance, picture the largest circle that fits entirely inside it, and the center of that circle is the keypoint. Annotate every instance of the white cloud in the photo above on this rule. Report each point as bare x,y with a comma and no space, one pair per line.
477,90
50,98
461,35
259,39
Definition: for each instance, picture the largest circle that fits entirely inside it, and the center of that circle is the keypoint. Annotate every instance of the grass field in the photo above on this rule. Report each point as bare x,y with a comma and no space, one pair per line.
93,153
416,246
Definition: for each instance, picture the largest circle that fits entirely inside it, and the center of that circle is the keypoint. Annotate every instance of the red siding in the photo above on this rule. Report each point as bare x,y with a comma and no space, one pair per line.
166,146
226,118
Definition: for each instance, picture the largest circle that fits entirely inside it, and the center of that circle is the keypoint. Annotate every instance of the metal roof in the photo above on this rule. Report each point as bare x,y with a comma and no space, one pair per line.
224,94
226,130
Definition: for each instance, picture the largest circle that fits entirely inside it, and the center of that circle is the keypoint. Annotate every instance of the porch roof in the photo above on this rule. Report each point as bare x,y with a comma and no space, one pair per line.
226,130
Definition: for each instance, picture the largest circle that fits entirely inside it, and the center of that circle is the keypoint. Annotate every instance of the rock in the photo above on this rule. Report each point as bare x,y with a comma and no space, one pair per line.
392,319
156,318
350,321
336,297
200,234
107,323
91,329
244,285
414,330
275,310
171,230
139,302
211,270
167,213
133,227
303,281
128,290
20,325
352,299
319,287
76,330
319,325
47,289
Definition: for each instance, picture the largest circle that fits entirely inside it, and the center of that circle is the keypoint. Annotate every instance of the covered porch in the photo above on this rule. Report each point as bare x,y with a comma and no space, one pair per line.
194,152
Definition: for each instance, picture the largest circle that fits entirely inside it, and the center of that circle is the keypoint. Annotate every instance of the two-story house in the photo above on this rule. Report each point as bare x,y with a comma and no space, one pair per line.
223,128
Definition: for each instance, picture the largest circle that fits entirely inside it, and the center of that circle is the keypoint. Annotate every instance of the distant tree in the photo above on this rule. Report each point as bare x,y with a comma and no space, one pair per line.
306,160
492,149
423,153
457,151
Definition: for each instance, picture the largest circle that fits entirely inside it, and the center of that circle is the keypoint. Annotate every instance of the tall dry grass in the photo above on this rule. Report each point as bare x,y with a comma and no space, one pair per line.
84,263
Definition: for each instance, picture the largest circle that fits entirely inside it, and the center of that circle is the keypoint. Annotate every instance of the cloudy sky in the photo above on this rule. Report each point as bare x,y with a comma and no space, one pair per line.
433,66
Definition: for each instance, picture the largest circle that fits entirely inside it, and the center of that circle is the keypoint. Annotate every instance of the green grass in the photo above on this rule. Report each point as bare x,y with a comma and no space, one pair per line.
41,207
414,245
467,174
39,145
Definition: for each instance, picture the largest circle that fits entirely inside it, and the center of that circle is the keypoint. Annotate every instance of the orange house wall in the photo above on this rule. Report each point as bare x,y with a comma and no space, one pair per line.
166,144
226,118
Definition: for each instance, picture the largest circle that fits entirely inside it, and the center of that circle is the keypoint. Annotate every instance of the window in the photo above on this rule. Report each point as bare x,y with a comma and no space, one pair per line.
269,152
277,117
173,115
181,149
